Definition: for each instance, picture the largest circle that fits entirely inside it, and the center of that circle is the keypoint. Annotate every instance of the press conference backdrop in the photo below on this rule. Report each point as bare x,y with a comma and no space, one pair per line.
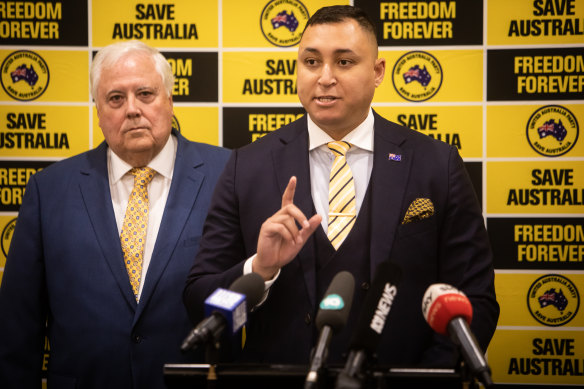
502,80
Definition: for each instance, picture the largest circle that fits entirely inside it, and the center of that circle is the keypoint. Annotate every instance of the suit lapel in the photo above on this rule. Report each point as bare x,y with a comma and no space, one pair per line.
389,179
291,159
95,191
184,190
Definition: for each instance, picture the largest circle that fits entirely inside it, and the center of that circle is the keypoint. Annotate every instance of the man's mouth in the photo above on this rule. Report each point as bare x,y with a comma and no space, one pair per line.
325,99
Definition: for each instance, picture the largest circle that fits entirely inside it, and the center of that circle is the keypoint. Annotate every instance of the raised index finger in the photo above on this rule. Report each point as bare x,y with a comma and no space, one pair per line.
288,196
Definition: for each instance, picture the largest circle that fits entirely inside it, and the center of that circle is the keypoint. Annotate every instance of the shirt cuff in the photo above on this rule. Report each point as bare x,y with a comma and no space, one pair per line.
247,268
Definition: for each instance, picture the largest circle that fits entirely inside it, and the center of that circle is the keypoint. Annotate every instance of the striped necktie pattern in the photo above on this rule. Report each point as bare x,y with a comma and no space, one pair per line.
342,210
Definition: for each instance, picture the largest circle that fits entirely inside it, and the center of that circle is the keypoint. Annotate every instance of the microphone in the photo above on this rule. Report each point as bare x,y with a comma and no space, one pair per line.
226,309
331,318
372,320
448,311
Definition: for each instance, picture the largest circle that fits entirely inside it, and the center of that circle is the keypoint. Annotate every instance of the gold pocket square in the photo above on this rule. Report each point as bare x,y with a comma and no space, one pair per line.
419,209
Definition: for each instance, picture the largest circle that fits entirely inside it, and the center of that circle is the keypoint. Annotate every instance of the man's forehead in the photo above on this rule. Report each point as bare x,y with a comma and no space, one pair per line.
348,26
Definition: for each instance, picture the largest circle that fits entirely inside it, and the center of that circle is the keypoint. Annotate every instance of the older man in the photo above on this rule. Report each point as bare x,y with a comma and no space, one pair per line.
104,240
344,189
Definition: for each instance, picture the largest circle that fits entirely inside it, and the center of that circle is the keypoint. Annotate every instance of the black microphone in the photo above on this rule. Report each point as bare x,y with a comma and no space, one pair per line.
226,309
331,318
371,323
448,311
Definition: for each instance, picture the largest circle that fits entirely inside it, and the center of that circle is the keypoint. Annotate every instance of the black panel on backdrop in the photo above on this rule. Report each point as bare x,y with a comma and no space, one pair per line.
245,125
537,243
475,171
44,23
13,178
196,76
535,74
423,23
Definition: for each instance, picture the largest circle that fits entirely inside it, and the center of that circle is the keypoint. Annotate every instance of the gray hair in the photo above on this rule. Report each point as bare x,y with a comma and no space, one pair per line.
109,55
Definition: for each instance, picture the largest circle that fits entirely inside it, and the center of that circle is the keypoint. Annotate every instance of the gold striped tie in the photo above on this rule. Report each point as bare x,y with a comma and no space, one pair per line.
133,234
342,211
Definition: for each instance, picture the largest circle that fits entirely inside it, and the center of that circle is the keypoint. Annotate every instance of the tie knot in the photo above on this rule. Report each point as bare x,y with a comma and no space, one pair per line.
142,175
339,148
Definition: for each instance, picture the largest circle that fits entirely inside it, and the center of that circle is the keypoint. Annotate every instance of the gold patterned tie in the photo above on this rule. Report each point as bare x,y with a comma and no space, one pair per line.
342,211
133,234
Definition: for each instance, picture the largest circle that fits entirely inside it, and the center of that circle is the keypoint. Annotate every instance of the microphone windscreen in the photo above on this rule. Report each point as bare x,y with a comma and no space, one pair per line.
442,303
252,286
336,304
376,307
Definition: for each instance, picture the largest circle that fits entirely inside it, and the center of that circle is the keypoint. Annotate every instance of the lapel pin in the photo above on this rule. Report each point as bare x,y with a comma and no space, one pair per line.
394,157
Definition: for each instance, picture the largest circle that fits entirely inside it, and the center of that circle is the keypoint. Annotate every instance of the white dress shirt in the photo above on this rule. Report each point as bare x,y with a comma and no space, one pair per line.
359,158
121,184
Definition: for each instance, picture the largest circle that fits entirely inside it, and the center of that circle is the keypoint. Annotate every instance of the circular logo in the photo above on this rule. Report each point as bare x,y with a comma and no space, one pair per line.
7,232
282,22
553,300
24,75
552,130
175,124
417,76
332,302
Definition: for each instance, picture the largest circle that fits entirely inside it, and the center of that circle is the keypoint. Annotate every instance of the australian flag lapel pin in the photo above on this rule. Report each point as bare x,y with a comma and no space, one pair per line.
394,157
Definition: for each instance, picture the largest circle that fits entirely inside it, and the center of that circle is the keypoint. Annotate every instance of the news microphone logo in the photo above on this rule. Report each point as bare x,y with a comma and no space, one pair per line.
441,303
383,308
231,305
332,302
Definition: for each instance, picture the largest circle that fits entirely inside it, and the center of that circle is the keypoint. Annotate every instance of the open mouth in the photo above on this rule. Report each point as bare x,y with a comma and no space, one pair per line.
326,99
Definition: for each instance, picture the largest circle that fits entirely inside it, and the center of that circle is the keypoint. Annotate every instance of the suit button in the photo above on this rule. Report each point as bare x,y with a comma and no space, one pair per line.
136,338
308,319
365,286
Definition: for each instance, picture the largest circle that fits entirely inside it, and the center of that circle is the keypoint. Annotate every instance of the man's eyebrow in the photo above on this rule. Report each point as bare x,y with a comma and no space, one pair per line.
337,51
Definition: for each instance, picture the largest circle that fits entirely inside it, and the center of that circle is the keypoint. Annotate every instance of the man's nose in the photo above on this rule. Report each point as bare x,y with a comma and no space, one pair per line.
132,108
327,76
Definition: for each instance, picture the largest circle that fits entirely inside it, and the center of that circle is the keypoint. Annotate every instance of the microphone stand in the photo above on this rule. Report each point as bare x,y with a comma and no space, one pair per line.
212,348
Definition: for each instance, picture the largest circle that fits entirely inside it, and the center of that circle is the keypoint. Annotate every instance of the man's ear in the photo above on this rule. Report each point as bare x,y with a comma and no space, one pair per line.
379,69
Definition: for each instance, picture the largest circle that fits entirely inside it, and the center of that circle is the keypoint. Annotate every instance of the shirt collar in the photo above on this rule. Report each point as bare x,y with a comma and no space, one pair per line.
361,136
163,163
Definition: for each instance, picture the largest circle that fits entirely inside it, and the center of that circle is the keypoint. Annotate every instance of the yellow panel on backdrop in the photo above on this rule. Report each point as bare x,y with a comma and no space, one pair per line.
531,22
458,126
259,77
43,131
546,299
534,131
267,23
180,23
44,75
199,124
535,187
537,357
433,76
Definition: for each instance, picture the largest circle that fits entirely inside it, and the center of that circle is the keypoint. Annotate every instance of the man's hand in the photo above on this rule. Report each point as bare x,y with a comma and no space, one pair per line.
280,239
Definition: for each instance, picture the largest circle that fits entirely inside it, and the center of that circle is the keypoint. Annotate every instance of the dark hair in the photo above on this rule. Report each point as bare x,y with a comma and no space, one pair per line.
340,13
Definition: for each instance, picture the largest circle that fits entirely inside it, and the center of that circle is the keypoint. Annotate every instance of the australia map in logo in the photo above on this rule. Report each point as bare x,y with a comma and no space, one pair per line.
282,22
553,300
417,76
27,74
552,130
286,20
